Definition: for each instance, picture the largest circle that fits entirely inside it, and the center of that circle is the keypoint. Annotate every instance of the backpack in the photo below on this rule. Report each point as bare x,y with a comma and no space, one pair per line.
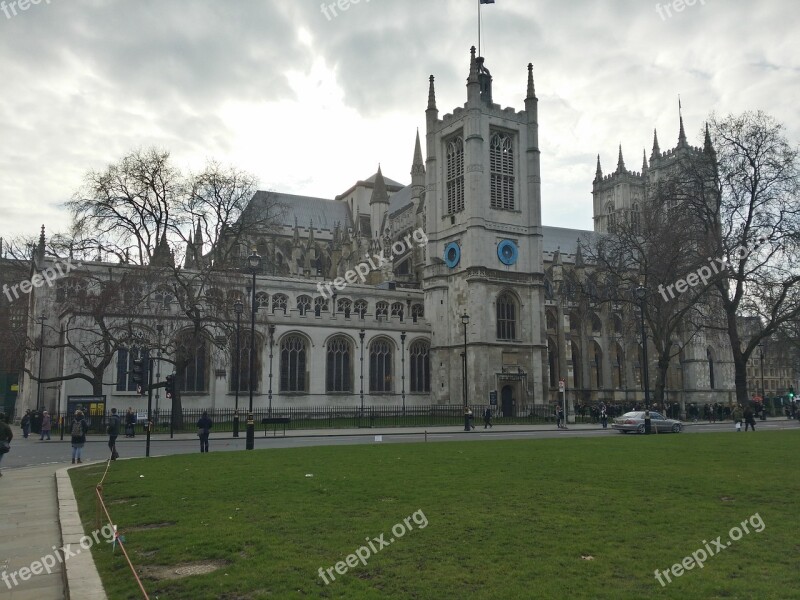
77,428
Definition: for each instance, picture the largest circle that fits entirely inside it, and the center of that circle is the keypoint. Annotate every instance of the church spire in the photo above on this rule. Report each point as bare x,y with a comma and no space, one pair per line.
531,90
681,133
656,149
418,166
188,261
40,247
644,160
621,162
379,192
598,175
473,67
708,146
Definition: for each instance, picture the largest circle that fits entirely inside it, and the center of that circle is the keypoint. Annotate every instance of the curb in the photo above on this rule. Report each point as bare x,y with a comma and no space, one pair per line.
81,579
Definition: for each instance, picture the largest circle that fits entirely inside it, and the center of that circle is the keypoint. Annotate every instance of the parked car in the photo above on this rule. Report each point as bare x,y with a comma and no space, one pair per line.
634,421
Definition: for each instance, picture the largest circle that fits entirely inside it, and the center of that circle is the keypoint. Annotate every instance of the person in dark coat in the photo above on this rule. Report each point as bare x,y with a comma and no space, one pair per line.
6,435
749,418
45,425
559,416
25,423
487,418
79,429
130,423
113,433
204,426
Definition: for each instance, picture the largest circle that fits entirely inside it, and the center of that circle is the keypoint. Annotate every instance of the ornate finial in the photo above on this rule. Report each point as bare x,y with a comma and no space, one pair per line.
531,90
681,133
656,149
473,67
644,160
431,95
418,165
620,162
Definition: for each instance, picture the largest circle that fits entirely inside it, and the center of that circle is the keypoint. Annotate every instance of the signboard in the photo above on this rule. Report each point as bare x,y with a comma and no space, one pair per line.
561,386
90,405
493,398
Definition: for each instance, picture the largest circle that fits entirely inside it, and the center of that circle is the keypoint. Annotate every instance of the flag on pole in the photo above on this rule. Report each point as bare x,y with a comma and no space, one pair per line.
487,1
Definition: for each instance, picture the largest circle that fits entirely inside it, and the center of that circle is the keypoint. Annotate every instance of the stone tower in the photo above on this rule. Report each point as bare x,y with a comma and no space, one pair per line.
484,257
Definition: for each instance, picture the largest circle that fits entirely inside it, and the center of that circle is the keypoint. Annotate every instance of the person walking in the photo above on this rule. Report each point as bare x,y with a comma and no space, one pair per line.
113,433
749,418
603,416
130,423
559,416
204,426
737,414
487,418
6,435
45,426
79,429
25,423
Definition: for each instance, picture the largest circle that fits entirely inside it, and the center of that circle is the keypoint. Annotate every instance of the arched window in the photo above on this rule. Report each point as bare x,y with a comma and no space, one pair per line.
548,289
164,298
455,175
551,321
339,365
397,310
420,366
361,308
125,360
262,300
243,362
612,223
617,322
279,303
320,306
417,312
597,366
293,364
576,365
344,306
506,317
382,309
303,305
597,326
710,357
380,366
501,165
552,361
635,219
192,351
618,374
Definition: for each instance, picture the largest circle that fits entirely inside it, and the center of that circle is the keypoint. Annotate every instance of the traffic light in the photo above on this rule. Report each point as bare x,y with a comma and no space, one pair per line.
137,370
791,393
170,388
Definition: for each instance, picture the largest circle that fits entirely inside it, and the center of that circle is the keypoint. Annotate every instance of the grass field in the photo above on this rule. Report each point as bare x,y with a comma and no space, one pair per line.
551,518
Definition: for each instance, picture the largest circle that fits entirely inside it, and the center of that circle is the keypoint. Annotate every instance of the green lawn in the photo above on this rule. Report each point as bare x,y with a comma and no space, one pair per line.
505,519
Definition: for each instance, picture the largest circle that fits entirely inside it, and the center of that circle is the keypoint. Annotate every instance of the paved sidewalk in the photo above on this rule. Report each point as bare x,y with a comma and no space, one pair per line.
29,529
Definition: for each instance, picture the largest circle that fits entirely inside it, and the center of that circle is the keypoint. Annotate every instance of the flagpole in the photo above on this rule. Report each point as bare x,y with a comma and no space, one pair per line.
479,27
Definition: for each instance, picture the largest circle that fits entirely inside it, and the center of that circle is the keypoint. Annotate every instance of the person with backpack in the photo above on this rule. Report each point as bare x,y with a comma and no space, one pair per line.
6,435
79,430
113,432
204,426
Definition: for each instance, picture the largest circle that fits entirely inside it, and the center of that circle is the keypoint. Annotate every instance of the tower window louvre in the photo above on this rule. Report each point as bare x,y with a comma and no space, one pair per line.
455,175
501,166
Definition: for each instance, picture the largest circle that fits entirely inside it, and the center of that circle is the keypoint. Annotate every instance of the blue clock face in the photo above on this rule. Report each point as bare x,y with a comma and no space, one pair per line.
507,252
452,254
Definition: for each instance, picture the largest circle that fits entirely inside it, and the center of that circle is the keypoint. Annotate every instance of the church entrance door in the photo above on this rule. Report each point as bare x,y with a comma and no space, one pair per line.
507,398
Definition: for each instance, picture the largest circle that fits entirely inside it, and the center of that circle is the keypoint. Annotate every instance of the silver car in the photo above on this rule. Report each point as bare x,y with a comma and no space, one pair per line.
634,421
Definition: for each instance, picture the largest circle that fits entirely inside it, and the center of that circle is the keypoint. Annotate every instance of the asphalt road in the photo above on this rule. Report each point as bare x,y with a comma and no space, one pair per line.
32,452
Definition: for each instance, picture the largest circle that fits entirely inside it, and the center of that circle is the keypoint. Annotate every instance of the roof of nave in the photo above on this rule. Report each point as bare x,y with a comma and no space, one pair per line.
564,240
323,213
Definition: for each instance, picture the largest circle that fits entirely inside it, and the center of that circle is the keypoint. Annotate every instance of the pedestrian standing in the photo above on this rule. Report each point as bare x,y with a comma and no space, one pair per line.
559,416
113,432
6,435
130,423
204,426
603,416
79,429
45,426
487,418
749,418
738,414
25,423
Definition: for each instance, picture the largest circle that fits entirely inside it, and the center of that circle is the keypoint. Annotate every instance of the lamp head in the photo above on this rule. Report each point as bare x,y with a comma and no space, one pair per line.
254,261
465,318
238,307
641,293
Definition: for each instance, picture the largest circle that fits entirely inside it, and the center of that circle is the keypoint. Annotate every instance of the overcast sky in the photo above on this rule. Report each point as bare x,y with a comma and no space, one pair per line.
311,103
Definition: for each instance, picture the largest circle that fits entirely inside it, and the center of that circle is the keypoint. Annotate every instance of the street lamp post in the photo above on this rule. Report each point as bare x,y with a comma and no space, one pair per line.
238,308
42,319
763,393
361,336
465,322
254,261
403,368
271,344
641,295
160,330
